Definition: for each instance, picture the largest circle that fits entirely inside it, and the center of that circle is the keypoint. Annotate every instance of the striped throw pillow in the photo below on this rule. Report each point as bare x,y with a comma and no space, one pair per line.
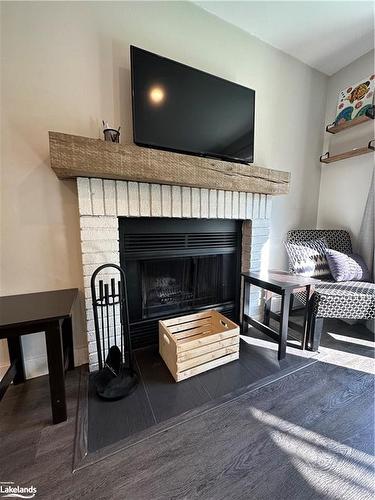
308,258
347,267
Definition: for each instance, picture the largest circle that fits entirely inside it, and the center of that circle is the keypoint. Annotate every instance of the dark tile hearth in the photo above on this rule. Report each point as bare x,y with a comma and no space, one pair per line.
158,398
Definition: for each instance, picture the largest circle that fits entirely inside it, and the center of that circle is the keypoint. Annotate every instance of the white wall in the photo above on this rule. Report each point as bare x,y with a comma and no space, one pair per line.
344,185
65,67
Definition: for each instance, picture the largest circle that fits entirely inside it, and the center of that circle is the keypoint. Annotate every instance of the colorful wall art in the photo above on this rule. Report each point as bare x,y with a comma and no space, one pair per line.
355,100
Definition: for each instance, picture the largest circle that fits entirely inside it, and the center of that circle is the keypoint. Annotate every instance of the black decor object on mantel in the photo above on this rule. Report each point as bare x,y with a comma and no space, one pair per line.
110,134
116,377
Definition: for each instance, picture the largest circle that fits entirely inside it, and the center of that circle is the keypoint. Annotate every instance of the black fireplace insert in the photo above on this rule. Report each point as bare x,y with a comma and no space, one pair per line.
178,266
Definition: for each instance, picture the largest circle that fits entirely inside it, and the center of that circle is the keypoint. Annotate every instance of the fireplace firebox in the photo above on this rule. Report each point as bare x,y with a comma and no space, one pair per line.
178,266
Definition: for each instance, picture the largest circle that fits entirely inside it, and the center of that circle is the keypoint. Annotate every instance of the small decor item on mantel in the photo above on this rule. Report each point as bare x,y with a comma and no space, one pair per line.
116,377
110,134
355,100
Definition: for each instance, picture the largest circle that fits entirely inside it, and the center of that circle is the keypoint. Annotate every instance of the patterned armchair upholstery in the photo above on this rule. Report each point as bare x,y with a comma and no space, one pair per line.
337,239
344,300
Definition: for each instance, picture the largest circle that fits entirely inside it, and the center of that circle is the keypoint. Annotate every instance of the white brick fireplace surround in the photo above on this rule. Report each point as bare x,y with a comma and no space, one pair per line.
101,202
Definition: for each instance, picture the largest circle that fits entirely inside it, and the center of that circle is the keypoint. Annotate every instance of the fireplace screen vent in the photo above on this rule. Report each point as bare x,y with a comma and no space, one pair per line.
135,243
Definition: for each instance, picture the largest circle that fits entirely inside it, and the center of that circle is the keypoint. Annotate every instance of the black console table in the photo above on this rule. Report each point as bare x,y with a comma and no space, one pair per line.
283,284
49,312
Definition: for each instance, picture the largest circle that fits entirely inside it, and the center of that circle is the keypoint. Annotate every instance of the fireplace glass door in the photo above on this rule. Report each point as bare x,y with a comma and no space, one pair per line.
185,283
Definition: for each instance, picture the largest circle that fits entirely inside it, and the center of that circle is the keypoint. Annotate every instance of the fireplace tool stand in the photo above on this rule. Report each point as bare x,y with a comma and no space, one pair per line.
116,377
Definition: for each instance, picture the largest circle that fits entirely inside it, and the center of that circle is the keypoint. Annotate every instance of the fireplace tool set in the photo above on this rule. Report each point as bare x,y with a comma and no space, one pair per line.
116,377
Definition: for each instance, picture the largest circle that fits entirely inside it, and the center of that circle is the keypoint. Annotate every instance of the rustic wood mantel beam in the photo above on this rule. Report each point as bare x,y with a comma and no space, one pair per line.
75,156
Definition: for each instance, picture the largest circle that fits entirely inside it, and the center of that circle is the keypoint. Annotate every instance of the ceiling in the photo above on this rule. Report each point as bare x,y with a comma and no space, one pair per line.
326,35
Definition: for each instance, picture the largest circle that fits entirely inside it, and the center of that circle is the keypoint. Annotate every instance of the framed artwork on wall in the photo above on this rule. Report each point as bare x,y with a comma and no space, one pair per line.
355,100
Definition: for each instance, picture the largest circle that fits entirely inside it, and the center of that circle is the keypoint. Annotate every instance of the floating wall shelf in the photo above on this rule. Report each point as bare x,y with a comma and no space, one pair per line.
335,129
326,158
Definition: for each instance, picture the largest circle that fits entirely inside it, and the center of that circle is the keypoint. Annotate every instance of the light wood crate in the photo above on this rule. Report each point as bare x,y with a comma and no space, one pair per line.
198,342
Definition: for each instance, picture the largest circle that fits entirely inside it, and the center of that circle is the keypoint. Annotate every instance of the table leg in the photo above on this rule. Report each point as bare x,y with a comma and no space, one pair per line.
67,334
284,321
56,371
245,306
16,356
267,308
7,379
308,310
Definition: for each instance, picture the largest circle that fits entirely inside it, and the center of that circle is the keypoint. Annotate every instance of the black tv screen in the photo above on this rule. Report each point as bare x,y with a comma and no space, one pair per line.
182,109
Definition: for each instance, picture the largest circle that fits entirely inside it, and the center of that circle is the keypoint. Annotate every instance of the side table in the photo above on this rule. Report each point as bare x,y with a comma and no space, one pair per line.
280,283
49,312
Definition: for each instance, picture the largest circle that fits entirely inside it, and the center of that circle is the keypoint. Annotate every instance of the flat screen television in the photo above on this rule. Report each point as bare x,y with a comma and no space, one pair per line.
179,108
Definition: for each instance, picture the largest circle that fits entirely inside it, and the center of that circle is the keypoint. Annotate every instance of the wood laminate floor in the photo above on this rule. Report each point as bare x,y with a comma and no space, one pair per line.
308,435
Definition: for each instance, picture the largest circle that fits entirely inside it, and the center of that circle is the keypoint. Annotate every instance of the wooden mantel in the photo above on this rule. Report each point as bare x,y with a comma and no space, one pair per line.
74,156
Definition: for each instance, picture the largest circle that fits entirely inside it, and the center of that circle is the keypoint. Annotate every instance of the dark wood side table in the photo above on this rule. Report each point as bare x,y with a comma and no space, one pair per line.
283,284
49,312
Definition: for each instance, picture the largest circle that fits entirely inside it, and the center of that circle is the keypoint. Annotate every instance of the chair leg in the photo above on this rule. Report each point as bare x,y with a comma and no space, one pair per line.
316,327
291,304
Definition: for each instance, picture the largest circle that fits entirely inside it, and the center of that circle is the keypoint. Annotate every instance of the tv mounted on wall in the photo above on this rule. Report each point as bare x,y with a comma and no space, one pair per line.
179,108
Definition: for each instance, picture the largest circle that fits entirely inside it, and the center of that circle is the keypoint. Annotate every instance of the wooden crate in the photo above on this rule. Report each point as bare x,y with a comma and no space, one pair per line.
198,342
